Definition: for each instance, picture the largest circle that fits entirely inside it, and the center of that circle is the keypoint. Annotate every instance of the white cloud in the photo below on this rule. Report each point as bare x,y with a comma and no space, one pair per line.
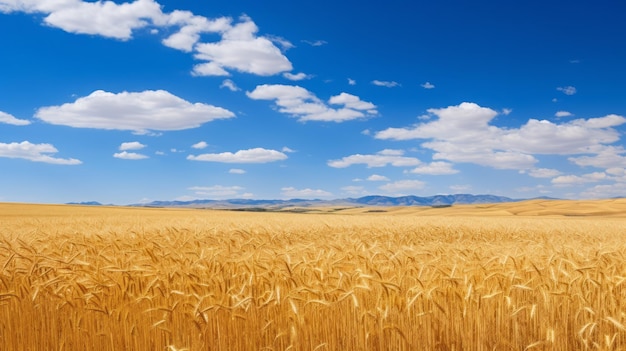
563,114
286,149
241,50
236,171
463,134
605,191
387,84
315,42
125,155
139,112
256,155
34,152
380,159
298,76
377,178
220,192
133,145
567,180
606,157
428,85
200,145
9,119
568,90
301,103
351,81
435,168
104,18
291,192
403,187
230,85
507,111
284,43
543,173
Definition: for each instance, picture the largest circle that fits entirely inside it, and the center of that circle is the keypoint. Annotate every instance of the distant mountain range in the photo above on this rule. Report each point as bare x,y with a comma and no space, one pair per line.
374,200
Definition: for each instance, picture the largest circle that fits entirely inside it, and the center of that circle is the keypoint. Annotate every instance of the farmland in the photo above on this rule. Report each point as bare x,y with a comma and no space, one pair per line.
538,275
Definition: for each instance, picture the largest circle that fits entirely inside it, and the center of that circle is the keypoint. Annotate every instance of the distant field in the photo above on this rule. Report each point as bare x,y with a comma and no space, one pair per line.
535,275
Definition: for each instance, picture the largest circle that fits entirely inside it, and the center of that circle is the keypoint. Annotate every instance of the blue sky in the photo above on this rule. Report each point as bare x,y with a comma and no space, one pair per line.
128,102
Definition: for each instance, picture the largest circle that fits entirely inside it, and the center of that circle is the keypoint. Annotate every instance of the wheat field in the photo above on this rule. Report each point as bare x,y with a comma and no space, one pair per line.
538,275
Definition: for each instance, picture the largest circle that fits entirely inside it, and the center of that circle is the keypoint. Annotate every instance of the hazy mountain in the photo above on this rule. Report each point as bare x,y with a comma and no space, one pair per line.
373,200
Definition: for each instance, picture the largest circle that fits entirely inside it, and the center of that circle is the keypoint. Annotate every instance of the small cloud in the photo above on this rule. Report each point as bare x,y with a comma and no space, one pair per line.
563,114
543,173
507,111
125,155
288,150
160,153
387,84
230,85
555,100
403,187
435,168
200,145
9,119
574,61
568,90
284,43
315,42
377,178
236,171
380,159
256,155
351,81
428,85
220,191
366,132
308,193
133,145
298,76
34,152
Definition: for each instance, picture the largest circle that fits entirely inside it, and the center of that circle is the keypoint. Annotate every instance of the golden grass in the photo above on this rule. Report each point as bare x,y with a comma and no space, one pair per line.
491,277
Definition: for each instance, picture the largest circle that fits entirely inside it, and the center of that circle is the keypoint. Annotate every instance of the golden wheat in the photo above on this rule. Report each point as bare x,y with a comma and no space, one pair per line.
77,278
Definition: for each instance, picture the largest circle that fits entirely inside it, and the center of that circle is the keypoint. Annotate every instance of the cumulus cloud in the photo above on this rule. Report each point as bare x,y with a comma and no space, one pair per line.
241,50
435,168
286,149
563,114
133,145
463,133
380,159
377,178
351,81
256,155
236,171
403,187
104,18
568,90
291,192
239,47
304,105
220,191
507,111
125,155
9,119
568,180
139,112
543,173
605,157
428,85
35,152
297,76
387,84
200,145
230,85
